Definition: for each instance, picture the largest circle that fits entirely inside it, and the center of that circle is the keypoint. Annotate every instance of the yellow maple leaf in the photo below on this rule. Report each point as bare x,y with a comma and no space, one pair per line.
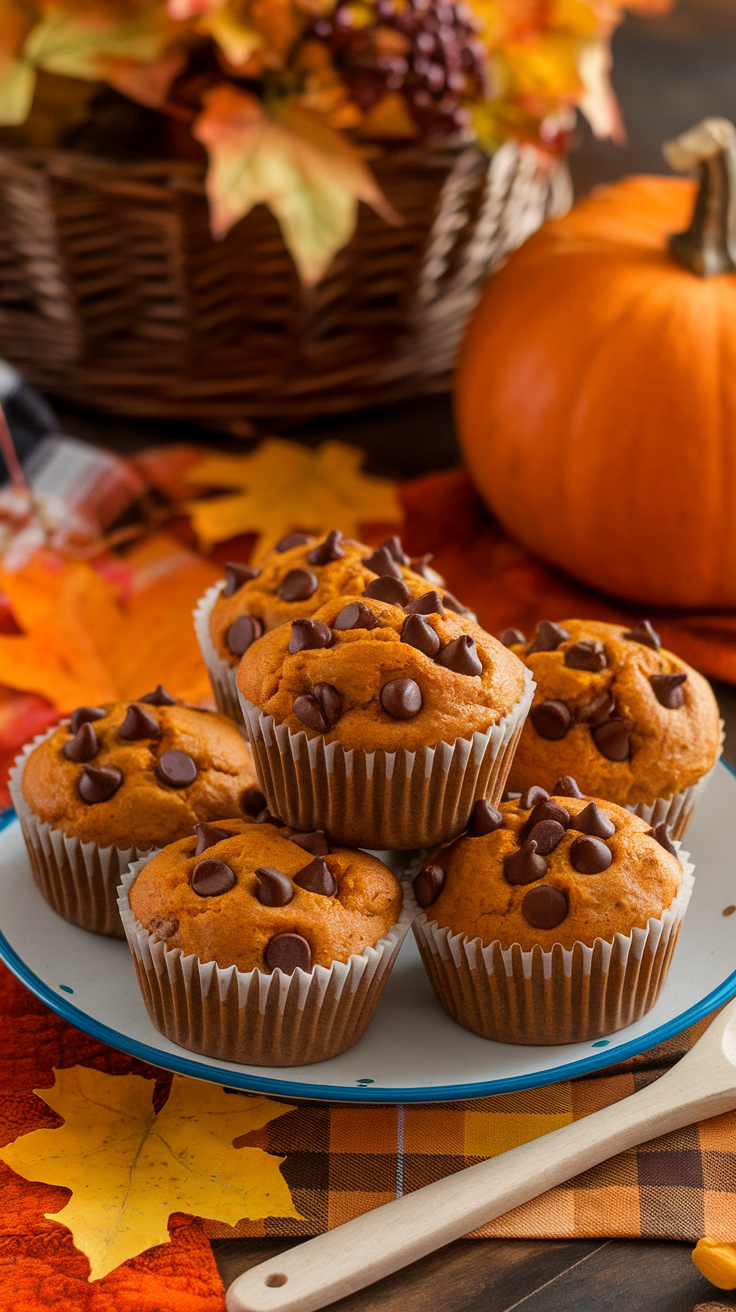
283,485
309,175
129,1168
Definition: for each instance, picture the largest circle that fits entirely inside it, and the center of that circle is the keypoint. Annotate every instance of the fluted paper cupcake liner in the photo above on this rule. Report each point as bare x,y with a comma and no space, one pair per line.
79,880
382,799
564,995
222,674
677,811
255,1018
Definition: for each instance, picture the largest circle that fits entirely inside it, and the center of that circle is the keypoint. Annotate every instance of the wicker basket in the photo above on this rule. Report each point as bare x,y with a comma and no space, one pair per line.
113,293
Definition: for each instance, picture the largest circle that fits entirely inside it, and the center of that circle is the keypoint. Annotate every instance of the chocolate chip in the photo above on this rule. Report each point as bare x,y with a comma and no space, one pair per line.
601,708
612,739
382,562
594,822
566,786
298,585
328,550
99,783
265,817
430,603
511,637
252,801
590,856
177,769
212,878
236,575
417,632
461,657
316,842
428,885
668,689
308,635
524,865
419,565
138,724
551,719
159,697
393,591
317,878
401,699
242,633
661,833
453,604
484,819
208,835
532,797
83,715
547,637
319,709
164,927
587,655
394,548
544,907
547,810
645,634
288,952
275,889
83,746
355,616
546,835
291,540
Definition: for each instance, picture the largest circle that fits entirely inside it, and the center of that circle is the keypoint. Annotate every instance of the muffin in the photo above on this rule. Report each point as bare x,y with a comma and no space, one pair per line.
298,577
382,723
97,791
258,944
553,919
632,722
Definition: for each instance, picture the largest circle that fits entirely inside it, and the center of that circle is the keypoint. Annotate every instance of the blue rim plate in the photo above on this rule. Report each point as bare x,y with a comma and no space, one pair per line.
412,1051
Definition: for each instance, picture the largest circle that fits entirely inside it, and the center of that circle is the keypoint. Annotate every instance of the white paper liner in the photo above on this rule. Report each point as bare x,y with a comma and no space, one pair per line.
252,1017
79,880
222,674
677,811
564,995
382,799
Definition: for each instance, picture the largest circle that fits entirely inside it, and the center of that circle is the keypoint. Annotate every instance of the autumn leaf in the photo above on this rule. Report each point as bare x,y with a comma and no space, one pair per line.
284,485
129,1168
79,40
17,76
309,175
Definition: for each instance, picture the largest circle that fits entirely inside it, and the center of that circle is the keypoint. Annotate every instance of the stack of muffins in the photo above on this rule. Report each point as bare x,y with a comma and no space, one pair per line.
361,706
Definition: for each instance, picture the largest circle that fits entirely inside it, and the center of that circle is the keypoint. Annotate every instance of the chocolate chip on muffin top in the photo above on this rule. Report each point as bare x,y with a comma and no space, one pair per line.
390,675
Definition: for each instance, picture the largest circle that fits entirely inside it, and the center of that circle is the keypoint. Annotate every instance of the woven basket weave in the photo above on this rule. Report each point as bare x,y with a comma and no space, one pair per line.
113,293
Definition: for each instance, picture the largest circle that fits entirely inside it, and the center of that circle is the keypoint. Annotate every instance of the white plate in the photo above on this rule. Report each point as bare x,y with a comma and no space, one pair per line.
412,1051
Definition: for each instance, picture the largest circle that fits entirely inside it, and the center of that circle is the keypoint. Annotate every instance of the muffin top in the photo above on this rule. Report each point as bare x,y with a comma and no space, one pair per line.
265,898
631,721
373,676
546,870
140,774
300,575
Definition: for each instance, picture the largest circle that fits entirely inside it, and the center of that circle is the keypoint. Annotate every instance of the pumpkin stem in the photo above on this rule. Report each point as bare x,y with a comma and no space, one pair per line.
708,246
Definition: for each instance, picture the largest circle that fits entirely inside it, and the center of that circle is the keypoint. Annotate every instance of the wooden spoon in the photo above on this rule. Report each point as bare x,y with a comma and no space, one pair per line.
353,1255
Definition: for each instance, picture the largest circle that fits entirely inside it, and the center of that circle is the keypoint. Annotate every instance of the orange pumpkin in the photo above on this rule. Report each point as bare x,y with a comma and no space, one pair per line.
596,389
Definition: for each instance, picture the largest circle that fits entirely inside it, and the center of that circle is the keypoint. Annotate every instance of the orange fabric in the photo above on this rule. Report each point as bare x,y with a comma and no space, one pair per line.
509,588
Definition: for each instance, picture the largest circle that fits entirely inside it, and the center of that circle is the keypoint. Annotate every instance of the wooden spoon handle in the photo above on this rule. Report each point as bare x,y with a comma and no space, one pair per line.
382,1241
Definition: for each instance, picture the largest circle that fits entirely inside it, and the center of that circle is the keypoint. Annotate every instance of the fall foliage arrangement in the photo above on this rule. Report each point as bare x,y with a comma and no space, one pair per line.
292,99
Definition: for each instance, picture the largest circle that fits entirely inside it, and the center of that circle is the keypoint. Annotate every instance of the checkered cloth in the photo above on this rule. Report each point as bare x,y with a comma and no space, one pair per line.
342,1160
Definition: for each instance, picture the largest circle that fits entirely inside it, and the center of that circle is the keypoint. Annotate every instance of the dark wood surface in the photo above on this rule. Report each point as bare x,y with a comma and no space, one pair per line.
668,74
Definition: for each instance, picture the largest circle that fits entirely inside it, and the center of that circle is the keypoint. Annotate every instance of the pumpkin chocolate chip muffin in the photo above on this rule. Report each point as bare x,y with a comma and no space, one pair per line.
381,722
267,910
634,723
116,780
553,919
298,577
